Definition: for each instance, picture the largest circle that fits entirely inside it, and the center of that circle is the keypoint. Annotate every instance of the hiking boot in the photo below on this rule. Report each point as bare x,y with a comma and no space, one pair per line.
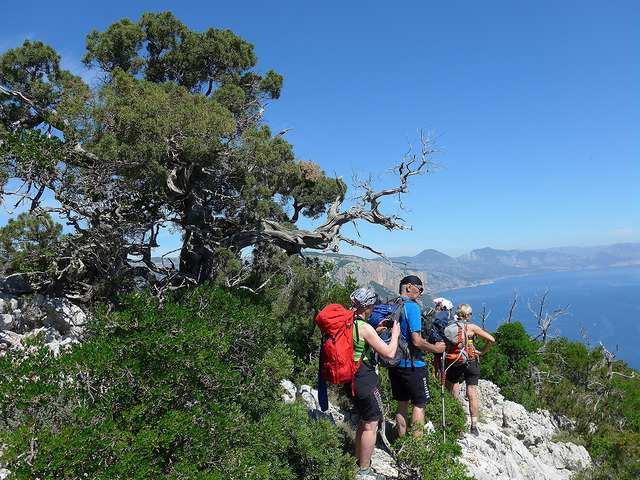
474,431
369,474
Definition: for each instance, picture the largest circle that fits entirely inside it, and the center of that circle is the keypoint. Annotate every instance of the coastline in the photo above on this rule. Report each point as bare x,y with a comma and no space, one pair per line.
491,281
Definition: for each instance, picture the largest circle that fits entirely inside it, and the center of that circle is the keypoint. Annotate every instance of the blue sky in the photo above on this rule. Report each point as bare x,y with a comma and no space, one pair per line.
535,105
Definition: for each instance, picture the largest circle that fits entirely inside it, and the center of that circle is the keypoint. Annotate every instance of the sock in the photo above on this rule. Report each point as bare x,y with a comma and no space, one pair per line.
474,421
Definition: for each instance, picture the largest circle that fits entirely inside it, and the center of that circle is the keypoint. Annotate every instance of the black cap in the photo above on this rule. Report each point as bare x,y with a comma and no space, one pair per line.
412,279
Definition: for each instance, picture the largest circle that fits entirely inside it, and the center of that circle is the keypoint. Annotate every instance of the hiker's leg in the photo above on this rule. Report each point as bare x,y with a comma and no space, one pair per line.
401,417
367,443
417,421
454,388
472,395
420,397
471,378
359,440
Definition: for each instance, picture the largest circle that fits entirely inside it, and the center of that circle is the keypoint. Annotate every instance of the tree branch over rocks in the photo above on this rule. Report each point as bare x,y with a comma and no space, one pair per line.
368,209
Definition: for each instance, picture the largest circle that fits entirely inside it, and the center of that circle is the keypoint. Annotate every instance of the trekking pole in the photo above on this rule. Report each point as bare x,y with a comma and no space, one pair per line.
442,374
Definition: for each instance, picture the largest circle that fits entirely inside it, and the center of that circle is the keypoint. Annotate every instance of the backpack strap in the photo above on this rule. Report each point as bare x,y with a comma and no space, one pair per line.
402,306
365,352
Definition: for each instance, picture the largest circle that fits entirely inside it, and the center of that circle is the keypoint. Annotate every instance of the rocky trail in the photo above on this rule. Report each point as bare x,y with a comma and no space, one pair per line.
514,444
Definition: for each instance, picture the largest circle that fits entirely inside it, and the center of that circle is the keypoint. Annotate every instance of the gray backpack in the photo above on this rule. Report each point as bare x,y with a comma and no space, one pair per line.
404,350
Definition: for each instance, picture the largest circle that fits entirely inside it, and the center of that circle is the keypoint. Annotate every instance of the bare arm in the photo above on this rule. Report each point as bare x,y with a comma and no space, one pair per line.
487,336
370,336
425,346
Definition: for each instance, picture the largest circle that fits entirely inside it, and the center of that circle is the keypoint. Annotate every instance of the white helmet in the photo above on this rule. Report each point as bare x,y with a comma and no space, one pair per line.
443,303
363,297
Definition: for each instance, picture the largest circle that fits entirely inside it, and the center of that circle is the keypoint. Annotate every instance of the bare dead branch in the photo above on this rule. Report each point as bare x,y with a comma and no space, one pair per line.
512,307
544,319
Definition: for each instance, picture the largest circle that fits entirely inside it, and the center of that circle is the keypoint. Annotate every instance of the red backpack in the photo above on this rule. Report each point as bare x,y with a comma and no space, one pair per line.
336,324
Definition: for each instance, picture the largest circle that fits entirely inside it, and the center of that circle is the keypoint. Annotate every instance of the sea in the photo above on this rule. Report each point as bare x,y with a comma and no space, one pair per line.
602,306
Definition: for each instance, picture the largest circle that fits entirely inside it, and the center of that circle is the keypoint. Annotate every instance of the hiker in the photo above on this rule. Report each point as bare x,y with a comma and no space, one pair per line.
409,381
468,370
442,315
366,395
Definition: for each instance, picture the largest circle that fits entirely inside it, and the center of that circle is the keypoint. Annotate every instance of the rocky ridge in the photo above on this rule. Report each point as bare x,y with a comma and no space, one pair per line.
514,444
25,315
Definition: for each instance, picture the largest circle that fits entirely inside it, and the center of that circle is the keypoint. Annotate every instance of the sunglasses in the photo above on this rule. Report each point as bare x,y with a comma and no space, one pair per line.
420,289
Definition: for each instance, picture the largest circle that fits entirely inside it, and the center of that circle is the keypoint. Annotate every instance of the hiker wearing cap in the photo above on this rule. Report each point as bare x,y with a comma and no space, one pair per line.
409,381
469,369
365,392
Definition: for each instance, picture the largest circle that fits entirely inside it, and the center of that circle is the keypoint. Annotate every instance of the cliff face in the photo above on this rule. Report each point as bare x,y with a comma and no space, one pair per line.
514,444
382,276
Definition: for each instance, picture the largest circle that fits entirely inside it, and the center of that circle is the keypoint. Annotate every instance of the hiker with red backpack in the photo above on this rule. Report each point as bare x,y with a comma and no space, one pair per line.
347,357
462,359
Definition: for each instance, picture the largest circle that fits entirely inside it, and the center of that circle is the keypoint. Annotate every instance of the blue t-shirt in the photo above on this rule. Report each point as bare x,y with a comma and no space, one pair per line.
411,321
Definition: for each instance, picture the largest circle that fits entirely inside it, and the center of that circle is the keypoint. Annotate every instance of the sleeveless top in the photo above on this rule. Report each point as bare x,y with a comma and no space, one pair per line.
359,344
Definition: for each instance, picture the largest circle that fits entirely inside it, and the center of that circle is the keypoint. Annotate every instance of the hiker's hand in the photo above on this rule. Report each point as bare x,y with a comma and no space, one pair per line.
395,330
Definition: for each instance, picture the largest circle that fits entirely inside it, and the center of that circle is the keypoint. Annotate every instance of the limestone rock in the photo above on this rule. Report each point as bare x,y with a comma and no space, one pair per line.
516,444
58,313
6,321
57,321
384,463
290,391
9,339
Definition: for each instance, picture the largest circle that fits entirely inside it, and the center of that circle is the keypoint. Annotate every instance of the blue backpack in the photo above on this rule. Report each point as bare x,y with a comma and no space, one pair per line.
381,312
391,312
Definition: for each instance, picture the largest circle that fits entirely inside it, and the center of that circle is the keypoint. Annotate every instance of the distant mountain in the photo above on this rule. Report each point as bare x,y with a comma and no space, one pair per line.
483,265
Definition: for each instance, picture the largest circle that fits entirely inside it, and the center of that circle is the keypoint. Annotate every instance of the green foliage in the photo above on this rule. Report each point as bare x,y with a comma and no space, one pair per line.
297,289
570,379
28,243
431,458
187,391
34,70
509,364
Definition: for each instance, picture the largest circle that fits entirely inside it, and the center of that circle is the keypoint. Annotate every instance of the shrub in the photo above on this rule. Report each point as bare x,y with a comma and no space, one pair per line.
187,391
508,364
431,458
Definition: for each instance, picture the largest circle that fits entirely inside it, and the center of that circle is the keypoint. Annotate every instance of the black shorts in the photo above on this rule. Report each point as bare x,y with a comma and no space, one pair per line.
410,384
470,373
367,399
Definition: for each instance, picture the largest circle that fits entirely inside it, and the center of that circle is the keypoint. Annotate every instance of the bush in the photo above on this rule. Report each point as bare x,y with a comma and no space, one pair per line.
508,364
187,391
431,458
